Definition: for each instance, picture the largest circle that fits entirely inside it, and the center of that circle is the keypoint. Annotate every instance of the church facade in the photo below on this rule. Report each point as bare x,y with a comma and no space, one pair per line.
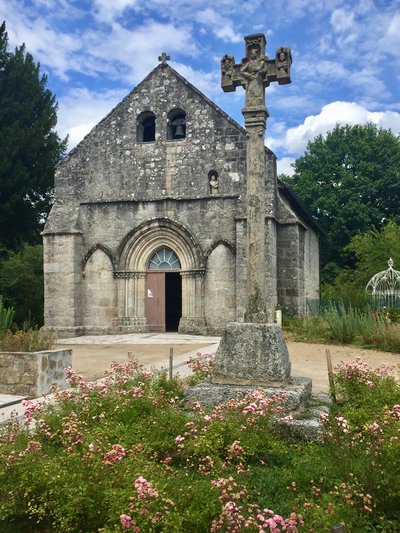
148,228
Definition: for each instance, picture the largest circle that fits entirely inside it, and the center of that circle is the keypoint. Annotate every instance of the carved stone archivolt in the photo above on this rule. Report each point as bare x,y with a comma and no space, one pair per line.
141,244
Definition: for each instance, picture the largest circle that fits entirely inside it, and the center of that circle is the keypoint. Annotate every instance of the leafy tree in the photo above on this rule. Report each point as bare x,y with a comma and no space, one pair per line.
21,283
29,146
372,251
350,182
369,254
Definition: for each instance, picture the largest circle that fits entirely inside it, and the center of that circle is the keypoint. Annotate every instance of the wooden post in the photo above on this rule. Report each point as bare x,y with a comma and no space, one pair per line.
171,362
330,377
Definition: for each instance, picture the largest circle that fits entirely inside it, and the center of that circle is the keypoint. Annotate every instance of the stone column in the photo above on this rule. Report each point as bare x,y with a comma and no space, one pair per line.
256,301
131,296
192,320
254,352
63,283
254,74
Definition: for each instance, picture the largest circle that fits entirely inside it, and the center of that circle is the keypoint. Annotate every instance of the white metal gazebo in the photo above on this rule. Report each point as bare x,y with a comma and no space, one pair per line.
385,286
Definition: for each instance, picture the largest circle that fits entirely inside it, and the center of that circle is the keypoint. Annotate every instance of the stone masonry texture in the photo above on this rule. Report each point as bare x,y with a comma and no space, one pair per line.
33,374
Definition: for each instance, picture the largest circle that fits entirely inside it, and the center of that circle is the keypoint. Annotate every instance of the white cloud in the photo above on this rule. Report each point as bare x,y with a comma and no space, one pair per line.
82,109
284,166
110,10
295,139
135,52
207,82
220,25
47,45
342,20
391,37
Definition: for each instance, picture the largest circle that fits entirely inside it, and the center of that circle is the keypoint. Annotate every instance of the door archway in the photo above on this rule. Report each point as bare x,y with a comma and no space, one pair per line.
163,291
135,255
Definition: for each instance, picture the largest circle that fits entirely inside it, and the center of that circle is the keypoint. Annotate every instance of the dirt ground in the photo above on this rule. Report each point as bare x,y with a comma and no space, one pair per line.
91,361
308,360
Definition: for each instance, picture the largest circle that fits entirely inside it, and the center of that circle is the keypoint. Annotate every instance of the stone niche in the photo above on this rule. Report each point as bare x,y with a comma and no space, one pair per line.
33,374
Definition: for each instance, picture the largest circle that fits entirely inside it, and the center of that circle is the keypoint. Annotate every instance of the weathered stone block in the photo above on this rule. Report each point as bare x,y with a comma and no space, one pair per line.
12,377
296,393
33,374
251,354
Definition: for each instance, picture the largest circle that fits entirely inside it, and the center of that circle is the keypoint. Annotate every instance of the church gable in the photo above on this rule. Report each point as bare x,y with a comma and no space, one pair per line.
165,139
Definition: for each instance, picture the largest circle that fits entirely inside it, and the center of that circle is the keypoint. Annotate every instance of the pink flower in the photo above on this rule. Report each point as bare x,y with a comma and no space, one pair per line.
179,438
31,409
116,454
91,447
126,521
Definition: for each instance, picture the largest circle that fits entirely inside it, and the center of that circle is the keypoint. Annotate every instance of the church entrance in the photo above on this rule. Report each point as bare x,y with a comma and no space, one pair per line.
173,300
163,292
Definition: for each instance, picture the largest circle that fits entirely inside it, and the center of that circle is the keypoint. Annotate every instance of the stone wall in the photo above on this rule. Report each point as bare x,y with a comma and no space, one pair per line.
33,374
311,268
63,282
291,296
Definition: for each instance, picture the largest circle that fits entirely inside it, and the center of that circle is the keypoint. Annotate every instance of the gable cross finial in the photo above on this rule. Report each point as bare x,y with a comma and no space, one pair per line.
164,58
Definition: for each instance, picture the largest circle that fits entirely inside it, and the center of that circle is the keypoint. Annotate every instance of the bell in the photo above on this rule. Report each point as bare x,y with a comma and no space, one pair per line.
179,132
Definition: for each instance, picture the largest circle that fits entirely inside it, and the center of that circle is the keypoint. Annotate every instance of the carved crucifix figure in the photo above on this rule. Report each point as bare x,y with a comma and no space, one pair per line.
254,73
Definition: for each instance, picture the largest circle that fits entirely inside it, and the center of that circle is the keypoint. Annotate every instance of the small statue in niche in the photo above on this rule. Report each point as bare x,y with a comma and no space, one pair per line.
213,181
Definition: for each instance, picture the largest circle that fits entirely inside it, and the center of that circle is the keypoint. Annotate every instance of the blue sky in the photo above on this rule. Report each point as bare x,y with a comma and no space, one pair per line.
346,61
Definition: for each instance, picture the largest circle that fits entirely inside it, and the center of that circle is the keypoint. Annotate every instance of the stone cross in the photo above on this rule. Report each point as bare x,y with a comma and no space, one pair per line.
164,58
254,73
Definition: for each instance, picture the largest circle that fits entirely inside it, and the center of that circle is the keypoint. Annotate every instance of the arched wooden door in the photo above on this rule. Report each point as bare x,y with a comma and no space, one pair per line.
163,298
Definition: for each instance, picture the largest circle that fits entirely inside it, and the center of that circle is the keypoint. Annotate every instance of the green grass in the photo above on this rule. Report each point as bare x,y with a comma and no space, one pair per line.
340,324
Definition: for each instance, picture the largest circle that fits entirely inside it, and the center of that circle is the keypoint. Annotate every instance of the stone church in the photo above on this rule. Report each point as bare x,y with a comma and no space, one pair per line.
148,228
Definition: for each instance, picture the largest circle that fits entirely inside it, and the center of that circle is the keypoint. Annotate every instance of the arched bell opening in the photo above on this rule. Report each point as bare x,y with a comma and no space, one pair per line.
146,127
176,124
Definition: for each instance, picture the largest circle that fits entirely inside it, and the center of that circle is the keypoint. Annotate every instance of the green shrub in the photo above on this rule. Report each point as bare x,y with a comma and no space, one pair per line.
343,323
21,282
27,340
6,318
362,435
127,454
306,328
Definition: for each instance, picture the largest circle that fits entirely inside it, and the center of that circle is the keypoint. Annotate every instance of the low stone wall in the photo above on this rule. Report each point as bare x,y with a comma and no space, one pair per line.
33,374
